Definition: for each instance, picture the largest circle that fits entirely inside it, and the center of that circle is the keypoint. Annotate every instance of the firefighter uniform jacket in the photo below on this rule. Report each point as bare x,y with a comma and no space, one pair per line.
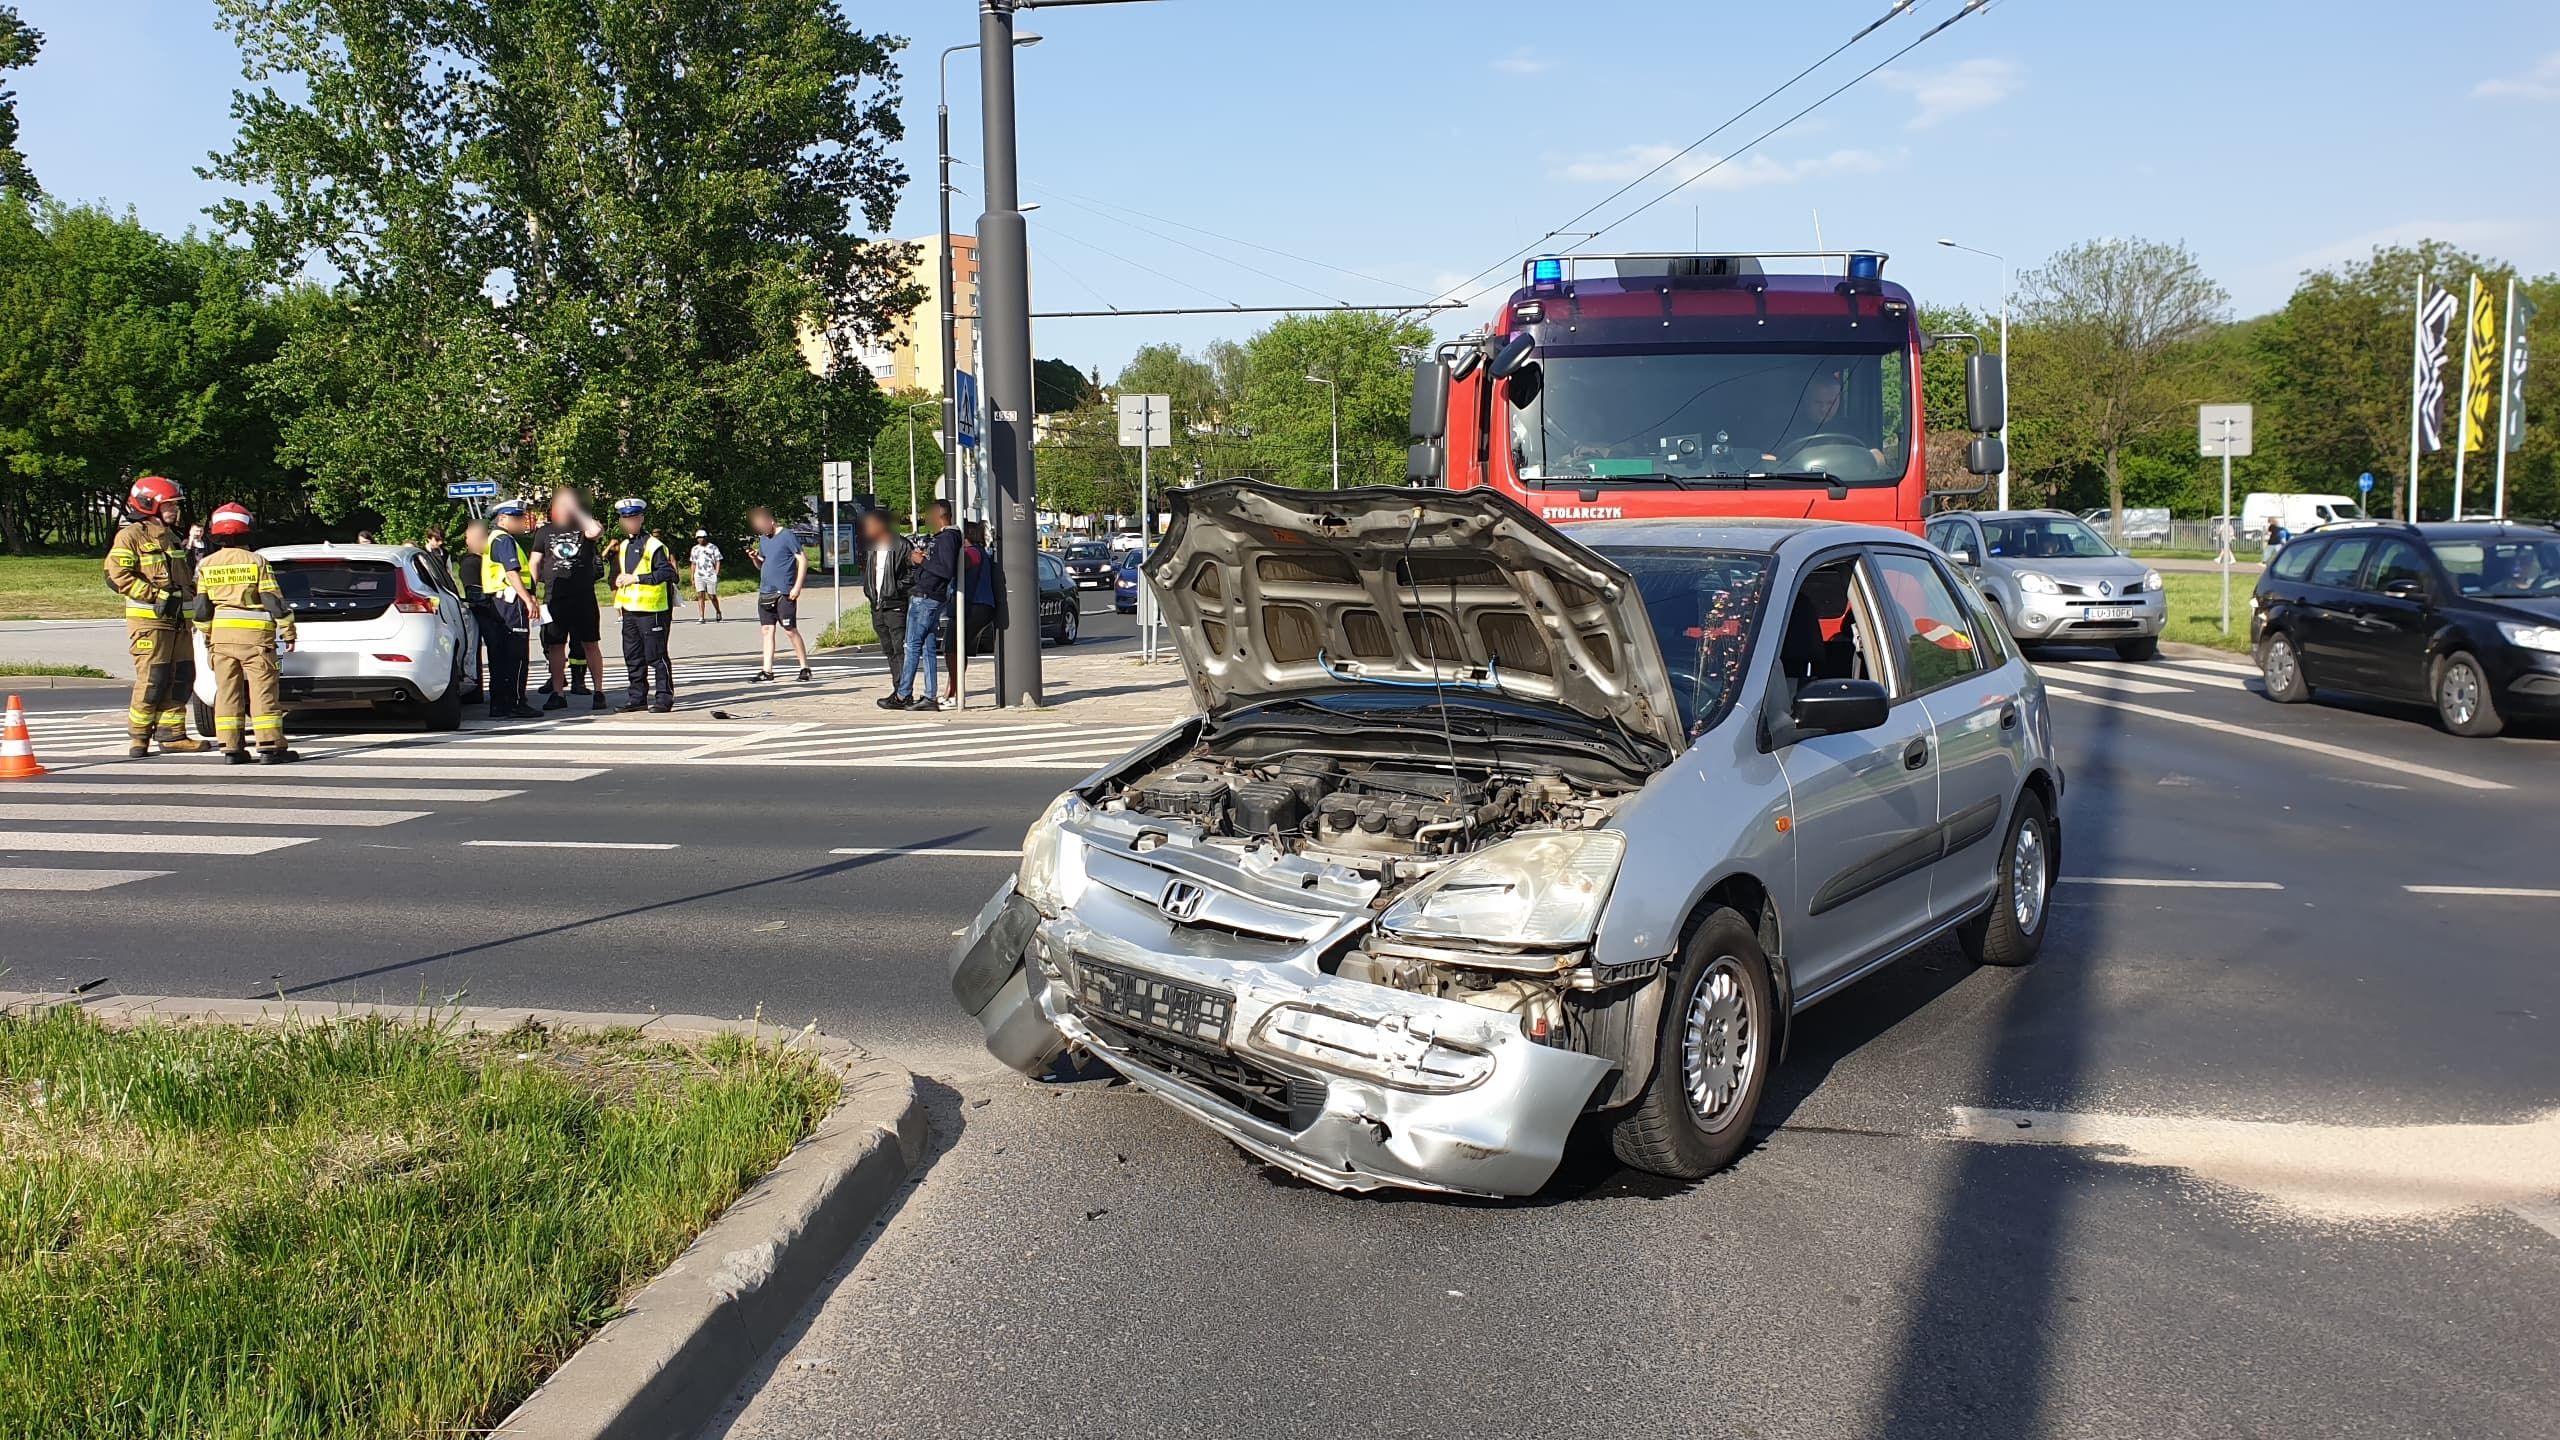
148,566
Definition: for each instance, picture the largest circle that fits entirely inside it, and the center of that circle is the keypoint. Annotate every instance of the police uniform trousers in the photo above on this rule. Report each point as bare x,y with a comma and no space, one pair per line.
644,655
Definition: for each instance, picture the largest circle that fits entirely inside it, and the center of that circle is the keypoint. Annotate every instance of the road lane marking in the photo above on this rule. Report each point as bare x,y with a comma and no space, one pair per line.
2290,742
2116,682
958,854
570,844
460,795
89,844
38,878
2227,667
2338,1174
2144,883
183,815
2506,892
2127,668
461,769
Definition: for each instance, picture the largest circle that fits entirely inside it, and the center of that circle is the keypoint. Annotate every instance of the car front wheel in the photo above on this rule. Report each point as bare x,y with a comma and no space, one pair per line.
2463,701
1711,1059
2281,666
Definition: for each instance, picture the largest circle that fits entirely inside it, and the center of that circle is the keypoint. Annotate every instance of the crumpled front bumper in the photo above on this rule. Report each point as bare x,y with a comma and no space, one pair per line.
1498,1132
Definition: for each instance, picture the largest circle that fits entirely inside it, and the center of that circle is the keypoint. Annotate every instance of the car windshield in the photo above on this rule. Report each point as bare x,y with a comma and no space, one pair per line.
1705,607
1089,550
1714,413
2502,569
2044,537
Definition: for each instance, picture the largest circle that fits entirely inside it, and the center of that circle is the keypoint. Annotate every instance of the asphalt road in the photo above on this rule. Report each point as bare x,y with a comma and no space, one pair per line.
1077,1260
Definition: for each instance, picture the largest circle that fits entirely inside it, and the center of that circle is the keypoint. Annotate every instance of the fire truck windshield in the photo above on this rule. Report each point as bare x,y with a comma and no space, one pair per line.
1595,415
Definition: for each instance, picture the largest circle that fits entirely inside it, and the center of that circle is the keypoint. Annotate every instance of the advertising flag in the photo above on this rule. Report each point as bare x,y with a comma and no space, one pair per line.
2435,338
2520,313
2480,369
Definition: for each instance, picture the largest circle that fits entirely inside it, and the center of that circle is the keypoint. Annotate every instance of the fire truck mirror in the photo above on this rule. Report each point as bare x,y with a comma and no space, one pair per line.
1422,463
1986,398
1525,383
1430,400
1513,354
1985,455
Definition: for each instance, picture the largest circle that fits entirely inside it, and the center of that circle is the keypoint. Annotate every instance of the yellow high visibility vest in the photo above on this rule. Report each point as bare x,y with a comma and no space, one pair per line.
646,596
493,576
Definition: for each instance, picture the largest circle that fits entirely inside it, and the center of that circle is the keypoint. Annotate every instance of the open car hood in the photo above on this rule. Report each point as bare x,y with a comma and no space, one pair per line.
1272,591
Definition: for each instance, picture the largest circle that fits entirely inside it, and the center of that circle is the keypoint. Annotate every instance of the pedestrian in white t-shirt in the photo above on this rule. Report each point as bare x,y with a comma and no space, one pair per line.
706,578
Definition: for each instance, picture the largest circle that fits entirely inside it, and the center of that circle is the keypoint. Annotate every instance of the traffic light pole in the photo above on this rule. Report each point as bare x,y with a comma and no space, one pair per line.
1004,305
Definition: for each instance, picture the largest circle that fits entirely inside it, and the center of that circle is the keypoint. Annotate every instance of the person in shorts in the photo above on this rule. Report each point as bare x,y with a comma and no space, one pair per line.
706,579
782,568
573,638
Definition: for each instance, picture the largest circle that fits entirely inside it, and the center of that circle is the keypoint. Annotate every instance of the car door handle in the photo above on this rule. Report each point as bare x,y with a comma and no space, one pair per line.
1915,755
2009,716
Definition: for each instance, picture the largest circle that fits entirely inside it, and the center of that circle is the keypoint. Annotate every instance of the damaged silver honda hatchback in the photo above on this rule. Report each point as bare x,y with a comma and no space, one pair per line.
1485,830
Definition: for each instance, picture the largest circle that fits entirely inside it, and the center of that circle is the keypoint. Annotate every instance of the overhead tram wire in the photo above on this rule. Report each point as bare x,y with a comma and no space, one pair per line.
1970,7
1898,7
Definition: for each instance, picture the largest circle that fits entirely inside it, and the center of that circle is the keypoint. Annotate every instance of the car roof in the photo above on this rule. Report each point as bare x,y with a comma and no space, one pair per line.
2012,514
327,551
1731,533
2438,529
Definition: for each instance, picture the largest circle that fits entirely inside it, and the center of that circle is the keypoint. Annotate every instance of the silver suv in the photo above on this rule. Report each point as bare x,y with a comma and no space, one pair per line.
1485,828
2050,577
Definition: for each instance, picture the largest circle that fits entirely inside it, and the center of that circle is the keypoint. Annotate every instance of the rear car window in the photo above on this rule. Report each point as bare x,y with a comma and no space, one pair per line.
2339,564
2294,561
2396,560
334,589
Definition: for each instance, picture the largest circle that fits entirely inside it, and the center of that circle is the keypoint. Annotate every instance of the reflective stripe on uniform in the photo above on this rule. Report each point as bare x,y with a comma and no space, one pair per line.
141,717
120,553
226,722
648,596
243,622
266,722
140,612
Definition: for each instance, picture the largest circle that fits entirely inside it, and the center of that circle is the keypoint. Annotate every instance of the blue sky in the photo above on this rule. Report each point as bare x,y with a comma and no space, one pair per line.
1414,142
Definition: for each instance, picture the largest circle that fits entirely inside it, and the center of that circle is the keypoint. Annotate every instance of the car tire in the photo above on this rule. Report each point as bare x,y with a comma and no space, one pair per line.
1071,624
2280,666
202,714
2463,702
2146,648
2011,931
1695,1115
445,712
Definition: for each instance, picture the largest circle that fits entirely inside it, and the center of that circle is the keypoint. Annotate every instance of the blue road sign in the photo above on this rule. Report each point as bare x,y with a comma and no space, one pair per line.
2364,482
472,490
964,410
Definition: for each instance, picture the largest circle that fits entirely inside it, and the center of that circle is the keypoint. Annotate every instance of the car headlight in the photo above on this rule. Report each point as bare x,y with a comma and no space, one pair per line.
1533,890
2151,581
2036,584
1052,874
2545,638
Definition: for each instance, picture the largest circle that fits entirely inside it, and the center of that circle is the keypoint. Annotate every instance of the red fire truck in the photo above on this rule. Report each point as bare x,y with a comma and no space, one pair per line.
1647,386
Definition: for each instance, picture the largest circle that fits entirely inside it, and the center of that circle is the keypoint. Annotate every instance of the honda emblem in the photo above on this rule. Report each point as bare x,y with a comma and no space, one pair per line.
1181,901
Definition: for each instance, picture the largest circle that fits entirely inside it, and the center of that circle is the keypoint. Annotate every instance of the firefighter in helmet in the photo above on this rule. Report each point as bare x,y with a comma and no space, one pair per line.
247,631
147,564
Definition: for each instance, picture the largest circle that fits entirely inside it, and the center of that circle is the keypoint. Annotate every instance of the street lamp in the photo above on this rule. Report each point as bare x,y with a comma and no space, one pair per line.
948,379
2006,397
1333,392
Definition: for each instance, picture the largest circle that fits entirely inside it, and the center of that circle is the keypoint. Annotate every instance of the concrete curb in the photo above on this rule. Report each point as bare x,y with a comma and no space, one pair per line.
678,1350
9,683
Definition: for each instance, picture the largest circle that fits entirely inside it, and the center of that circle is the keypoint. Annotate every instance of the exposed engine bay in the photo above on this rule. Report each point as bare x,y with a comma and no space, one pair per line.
1356,811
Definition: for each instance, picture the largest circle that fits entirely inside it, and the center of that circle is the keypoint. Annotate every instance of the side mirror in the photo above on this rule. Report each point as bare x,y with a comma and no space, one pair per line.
1986,395
1962,556
1430,400
1513,354
2405,588
1838,707
1525,383
1985,455
1422,463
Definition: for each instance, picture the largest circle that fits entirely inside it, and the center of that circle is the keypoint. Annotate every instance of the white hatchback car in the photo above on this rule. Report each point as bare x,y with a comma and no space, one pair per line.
376,626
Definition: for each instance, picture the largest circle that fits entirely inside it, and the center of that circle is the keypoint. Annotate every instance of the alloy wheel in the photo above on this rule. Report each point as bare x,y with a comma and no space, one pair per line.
2027,879
1719,1043
2279,664
2458,693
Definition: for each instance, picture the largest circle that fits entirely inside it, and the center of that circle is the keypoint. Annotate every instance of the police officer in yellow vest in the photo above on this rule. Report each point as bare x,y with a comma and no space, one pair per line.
148,566
247,632
644,590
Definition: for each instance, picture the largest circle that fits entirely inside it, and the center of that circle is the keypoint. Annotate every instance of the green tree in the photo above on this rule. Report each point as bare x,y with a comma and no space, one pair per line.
1291,419
913,417
2108,353
1057,385
19,42
576,243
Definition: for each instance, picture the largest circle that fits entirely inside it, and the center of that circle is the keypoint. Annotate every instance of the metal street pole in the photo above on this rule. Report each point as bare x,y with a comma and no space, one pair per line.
2417,381
2462,418
2506,387
2226,518
1004,328
2007,399
950,302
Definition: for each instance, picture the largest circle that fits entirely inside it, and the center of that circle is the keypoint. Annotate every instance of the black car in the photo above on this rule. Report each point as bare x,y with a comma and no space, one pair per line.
1090,562
2462,616
1061,610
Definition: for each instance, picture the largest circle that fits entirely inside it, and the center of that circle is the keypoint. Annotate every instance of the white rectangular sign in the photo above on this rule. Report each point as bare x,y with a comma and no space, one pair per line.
837,476
2223,430
1146,420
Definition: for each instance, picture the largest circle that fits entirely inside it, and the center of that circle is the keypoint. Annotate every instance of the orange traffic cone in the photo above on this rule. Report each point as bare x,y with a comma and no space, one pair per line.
17,748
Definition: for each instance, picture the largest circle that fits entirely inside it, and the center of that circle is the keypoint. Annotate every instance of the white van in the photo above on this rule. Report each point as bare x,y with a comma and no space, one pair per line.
2297,512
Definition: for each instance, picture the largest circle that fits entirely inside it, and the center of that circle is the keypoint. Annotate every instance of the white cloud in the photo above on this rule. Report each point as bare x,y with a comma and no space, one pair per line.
1523,62
1713,172
1956,89
2542,82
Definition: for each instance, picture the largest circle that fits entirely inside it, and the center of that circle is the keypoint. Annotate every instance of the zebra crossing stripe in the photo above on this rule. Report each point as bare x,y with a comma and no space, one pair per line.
460,795
41,878
180,815
76,842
